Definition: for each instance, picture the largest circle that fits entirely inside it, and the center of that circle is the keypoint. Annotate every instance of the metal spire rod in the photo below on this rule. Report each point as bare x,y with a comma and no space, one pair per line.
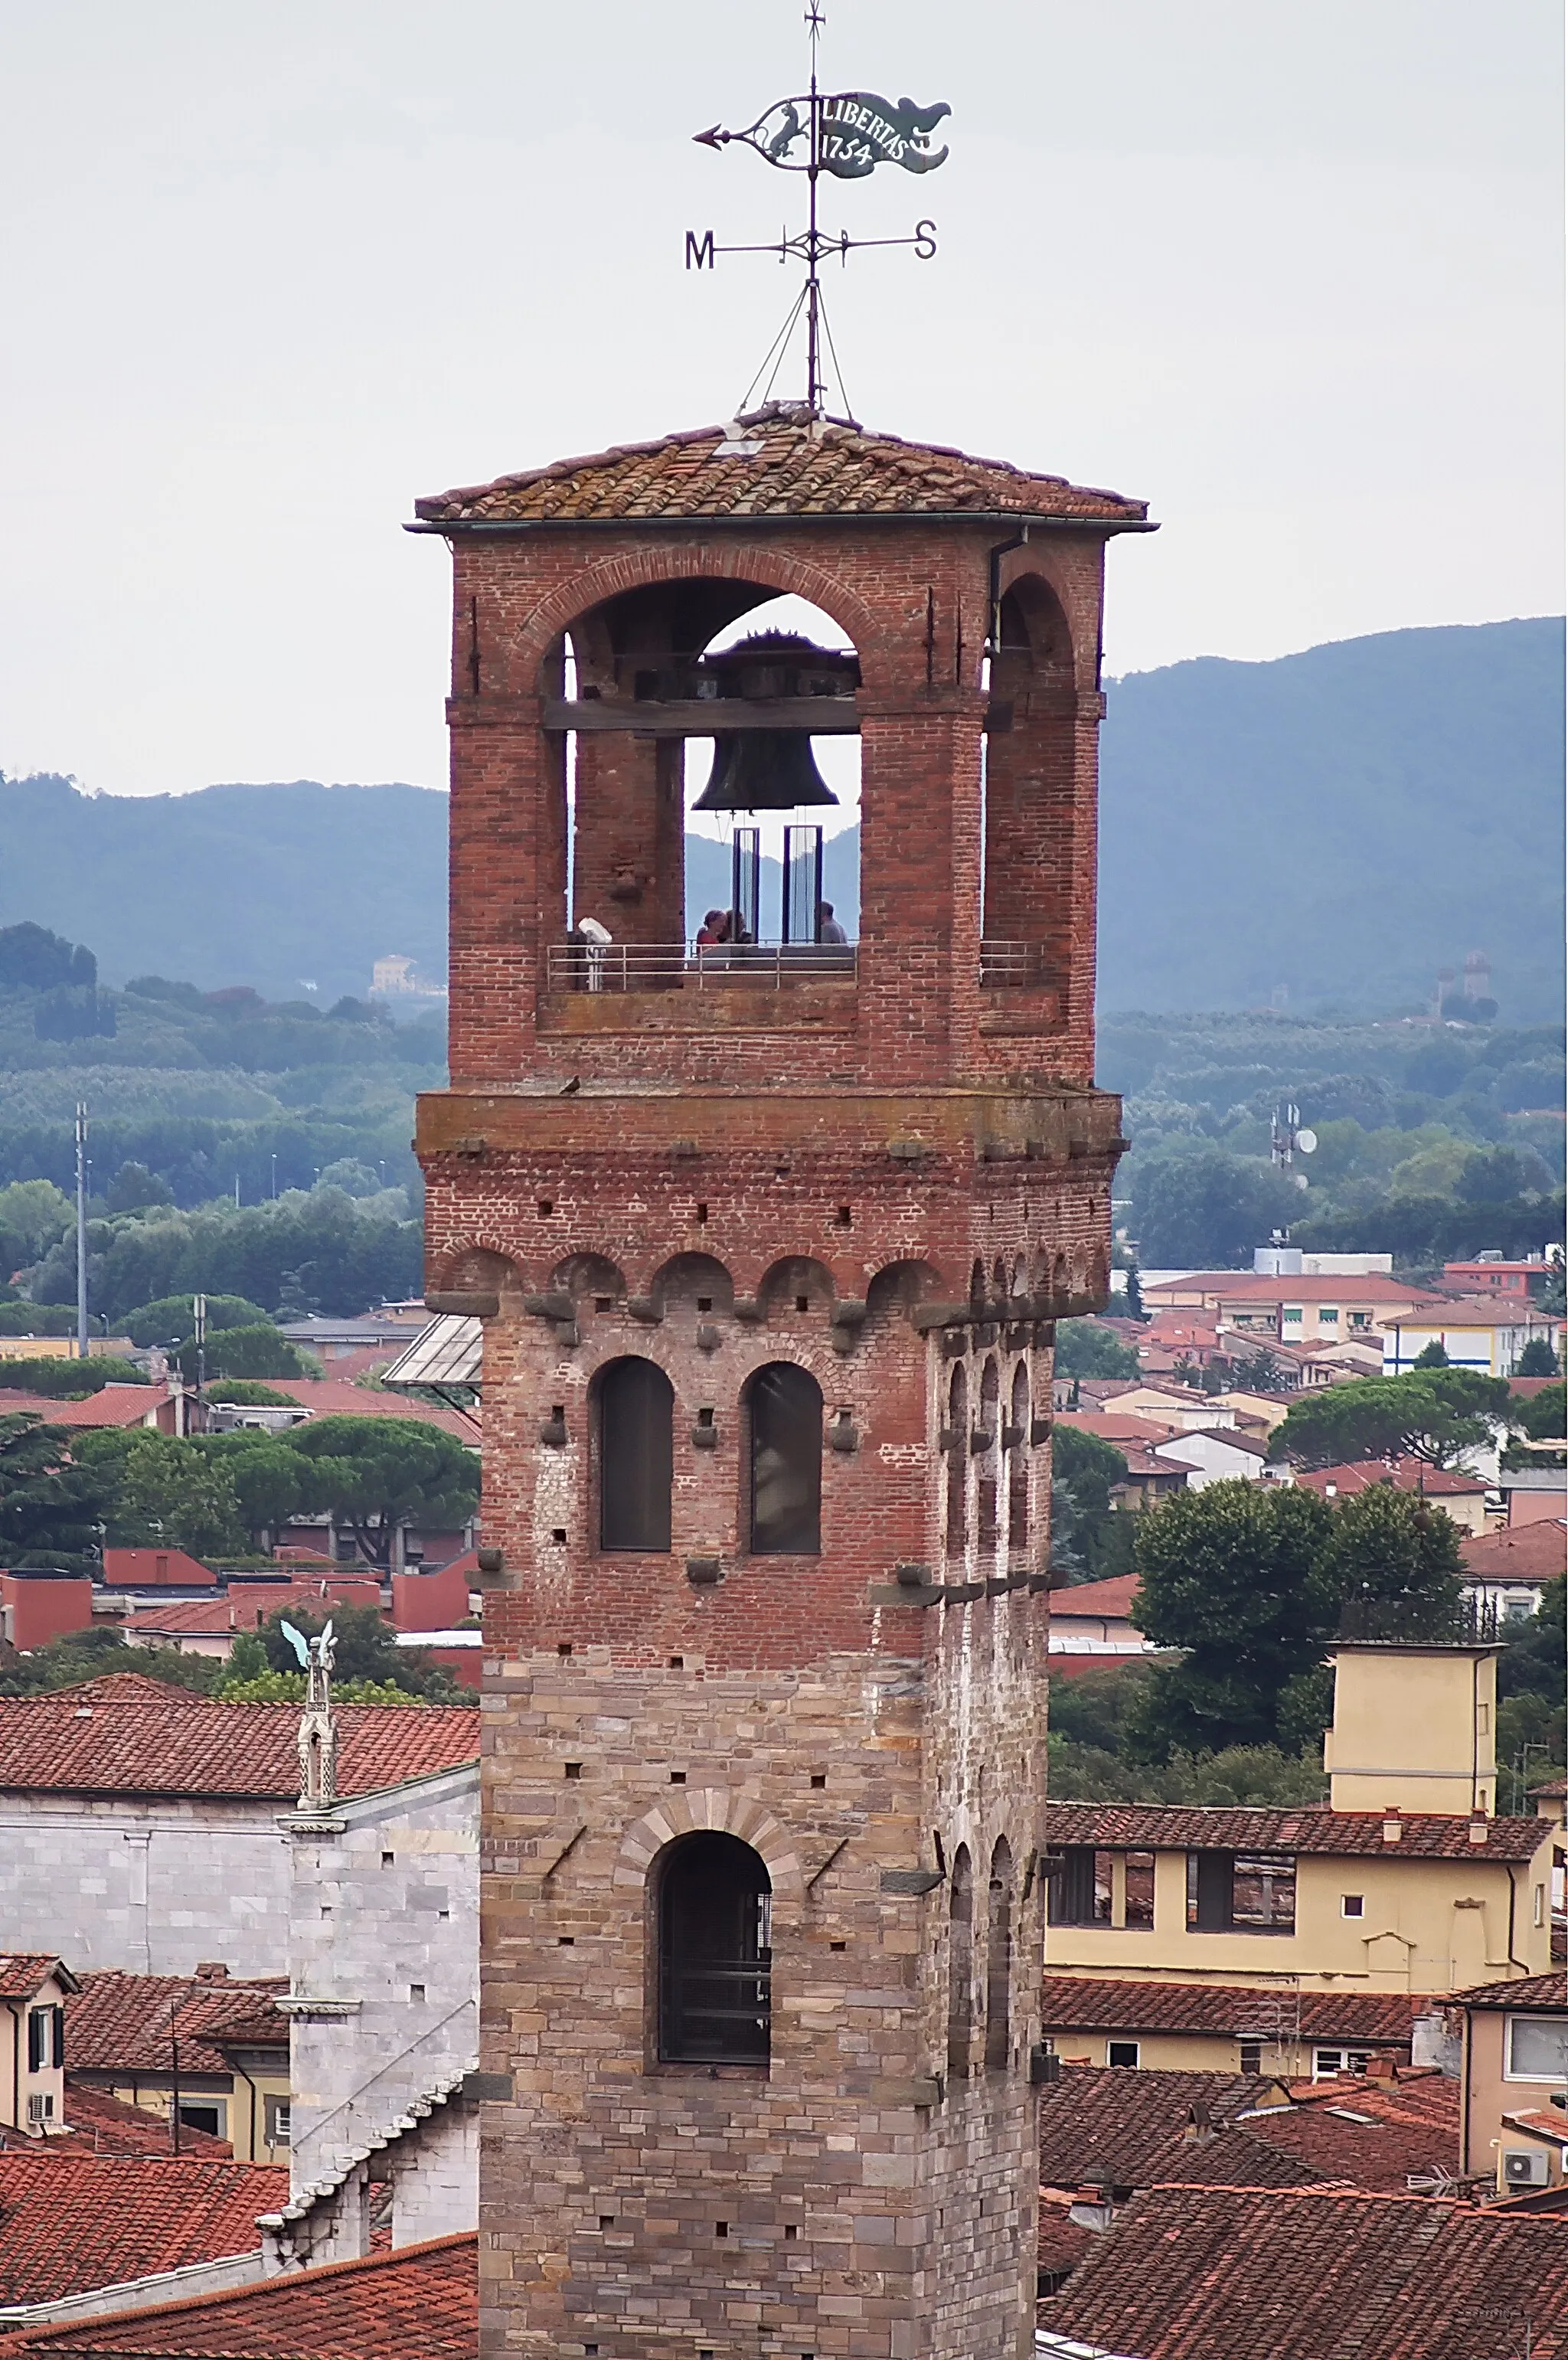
845,134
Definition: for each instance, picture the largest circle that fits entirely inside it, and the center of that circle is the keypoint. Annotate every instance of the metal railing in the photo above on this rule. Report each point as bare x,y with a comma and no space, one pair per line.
671,967
1015,966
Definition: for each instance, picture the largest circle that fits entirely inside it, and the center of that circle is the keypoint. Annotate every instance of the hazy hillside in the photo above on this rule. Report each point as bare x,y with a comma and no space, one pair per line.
1342,822
1339,823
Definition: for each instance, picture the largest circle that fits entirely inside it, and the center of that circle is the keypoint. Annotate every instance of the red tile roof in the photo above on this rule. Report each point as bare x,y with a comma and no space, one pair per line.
1061,2242
1415,2094
1535,1552
22,1972
1405,1475
99,2123
1107,2123
1357,2134
1531,1991
417,2302
1180,1827
129,1735
799,467
147,1568
1282,2273
70,2223
111,1405
1095,2003
341,1397
120,2023
1101,1599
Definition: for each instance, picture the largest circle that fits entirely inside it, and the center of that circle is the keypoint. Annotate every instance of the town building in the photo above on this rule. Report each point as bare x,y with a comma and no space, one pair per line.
206,2053
1490,1274
1508,1568
1487,1335
1304,1308
34,1988
1283,2029
1091,1621
85,2233
141,1821
1515,2078
1422,1892
769,1251
1462,1498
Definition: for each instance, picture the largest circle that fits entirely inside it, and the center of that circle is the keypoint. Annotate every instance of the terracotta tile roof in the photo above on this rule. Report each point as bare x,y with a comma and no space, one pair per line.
148,1568
1412,2095
70,2223
1091,2004
1097,1598
128,1735
341,1397
111,1405
120,2023
1405,1475
418,2300
1535,1552
1531,1991
1307,1828
1354,2133
199,1618
1061,2242
783,464
1107,2122
1246,2274
22,1972
102,2124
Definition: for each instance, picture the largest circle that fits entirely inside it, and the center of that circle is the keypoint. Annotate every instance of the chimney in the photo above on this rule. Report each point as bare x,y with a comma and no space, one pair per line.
1199,2124
1477,1826
1393,1826
212,1970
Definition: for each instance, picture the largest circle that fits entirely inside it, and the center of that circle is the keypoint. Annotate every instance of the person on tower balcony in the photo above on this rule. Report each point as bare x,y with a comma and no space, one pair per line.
828,927
714,930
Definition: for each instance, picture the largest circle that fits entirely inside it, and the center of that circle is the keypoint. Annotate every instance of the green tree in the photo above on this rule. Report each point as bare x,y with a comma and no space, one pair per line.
1435,1414
173,1317
1231,1574
134,1189
270,1481
1393,1560
366,1649
68,1380
1197,1205
1538,1359
49,1506
1432,1356
376,1474
33,1215
1090,1538
1084,1348
163,1493
1133,1294
92,1655
258,1351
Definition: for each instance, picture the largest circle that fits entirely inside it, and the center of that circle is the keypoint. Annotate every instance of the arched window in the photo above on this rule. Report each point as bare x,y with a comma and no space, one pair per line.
1019,1470
786,1411
957,1463
960,1963
715,1934
636,1455
999,1959
990,1394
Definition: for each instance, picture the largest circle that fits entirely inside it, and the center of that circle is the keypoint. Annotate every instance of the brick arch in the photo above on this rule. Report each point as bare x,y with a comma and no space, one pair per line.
786,576
447,1267
710,1810
1042,582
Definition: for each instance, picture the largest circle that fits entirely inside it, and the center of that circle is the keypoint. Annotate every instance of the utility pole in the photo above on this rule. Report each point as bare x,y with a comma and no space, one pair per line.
199,1317
81,1229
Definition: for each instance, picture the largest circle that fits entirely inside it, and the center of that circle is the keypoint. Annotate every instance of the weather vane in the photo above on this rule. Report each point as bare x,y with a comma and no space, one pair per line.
844,133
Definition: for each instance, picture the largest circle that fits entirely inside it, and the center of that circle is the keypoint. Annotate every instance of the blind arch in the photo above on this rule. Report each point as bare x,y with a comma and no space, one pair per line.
635,1404
784,1403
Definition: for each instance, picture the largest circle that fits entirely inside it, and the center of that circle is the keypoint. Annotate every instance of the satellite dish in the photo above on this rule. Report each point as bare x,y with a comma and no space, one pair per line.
1301,1179
1307,1142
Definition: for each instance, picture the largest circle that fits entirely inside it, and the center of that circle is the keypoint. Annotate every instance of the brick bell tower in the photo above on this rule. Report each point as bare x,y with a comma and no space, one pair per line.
769,1239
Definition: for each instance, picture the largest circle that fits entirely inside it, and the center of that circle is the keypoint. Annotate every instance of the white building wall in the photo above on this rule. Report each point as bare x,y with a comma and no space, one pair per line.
151,1888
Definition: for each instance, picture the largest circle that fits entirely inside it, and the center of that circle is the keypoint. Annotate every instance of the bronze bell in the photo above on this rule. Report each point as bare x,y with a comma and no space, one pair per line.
769,770
763,769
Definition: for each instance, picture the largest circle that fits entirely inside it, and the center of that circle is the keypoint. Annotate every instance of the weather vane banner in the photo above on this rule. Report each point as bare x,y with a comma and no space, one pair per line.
857,131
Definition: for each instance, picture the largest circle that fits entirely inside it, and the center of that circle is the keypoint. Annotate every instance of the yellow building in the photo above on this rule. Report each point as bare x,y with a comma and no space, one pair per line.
212,2051
1514,2122
1404,1882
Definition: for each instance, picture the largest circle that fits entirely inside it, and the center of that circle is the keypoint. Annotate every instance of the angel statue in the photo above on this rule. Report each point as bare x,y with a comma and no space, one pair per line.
317,1729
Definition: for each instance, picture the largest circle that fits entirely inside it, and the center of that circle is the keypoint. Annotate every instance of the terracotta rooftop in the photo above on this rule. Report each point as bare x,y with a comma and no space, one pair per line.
1537,1552
70,2223
1094,2003
1405,1475
341,1397
417,2302
1180,1827
99,2123
150,1568
780,463
1282,2273
111,1405
120,2023
22,1972
1107,2123
1113,1597
1531,1991
129,1735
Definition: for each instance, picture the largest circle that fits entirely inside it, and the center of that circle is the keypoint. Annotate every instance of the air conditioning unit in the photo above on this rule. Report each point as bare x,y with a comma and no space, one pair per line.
40,2106
1526,2167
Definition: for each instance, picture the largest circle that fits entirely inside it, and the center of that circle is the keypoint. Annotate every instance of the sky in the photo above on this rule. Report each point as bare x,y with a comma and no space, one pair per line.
268,273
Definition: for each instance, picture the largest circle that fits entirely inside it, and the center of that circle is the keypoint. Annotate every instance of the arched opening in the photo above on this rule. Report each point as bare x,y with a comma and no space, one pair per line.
715,1953
1019,1471
785,1413
999,1959
985,1443
636,1455
956,1453
960,1963
1032,824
